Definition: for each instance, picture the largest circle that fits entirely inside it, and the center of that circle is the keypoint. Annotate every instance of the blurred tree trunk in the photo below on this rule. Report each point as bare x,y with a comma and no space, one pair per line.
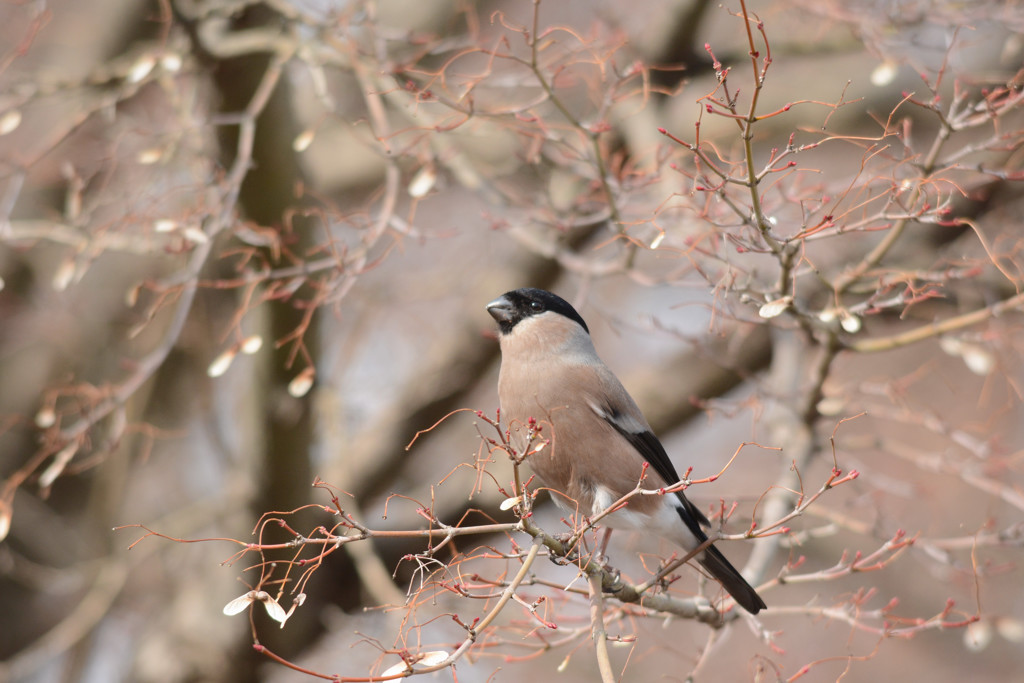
283,463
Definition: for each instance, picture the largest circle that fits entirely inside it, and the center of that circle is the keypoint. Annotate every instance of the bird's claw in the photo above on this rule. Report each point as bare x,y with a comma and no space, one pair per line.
611,582
558,559
568,554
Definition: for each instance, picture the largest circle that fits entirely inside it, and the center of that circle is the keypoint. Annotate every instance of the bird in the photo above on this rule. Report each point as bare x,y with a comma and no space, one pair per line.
552,379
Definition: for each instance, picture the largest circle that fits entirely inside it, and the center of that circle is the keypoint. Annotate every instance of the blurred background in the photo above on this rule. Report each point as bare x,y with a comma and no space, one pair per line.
246,245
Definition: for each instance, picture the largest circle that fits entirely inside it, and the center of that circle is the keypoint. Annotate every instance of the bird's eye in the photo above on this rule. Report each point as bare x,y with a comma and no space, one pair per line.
536,306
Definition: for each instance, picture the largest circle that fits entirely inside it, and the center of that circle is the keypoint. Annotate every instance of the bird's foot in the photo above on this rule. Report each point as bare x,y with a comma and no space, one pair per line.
611,581
568,554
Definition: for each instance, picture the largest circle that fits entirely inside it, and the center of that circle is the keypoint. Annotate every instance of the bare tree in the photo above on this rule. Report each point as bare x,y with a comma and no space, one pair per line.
246,248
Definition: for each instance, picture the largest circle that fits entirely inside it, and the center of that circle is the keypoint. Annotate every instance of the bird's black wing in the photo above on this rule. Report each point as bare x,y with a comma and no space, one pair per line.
648,445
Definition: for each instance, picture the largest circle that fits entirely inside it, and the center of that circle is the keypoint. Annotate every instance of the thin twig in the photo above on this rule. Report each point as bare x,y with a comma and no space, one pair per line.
599,630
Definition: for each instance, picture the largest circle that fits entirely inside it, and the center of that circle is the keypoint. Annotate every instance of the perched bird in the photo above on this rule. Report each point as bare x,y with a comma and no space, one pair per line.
599,439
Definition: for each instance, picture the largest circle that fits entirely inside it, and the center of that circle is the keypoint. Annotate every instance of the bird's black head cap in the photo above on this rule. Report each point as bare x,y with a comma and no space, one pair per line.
512,307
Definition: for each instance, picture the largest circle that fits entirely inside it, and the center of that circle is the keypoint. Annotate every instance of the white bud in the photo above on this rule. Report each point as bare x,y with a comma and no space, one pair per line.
195,235
831,406
979,360
251,345
165,225
951,345
221,363
303,140
509,503
46,417
884,74
977,636
9,121
171,62
302,383
658,239
849,321
423,182
775,308
149,156
141,68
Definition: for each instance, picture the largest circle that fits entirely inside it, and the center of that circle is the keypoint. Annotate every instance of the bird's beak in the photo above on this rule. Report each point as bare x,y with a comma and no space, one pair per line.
501,309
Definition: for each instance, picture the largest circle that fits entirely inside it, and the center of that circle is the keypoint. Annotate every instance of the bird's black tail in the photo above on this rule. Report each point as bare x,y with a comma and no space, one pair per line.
733,582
